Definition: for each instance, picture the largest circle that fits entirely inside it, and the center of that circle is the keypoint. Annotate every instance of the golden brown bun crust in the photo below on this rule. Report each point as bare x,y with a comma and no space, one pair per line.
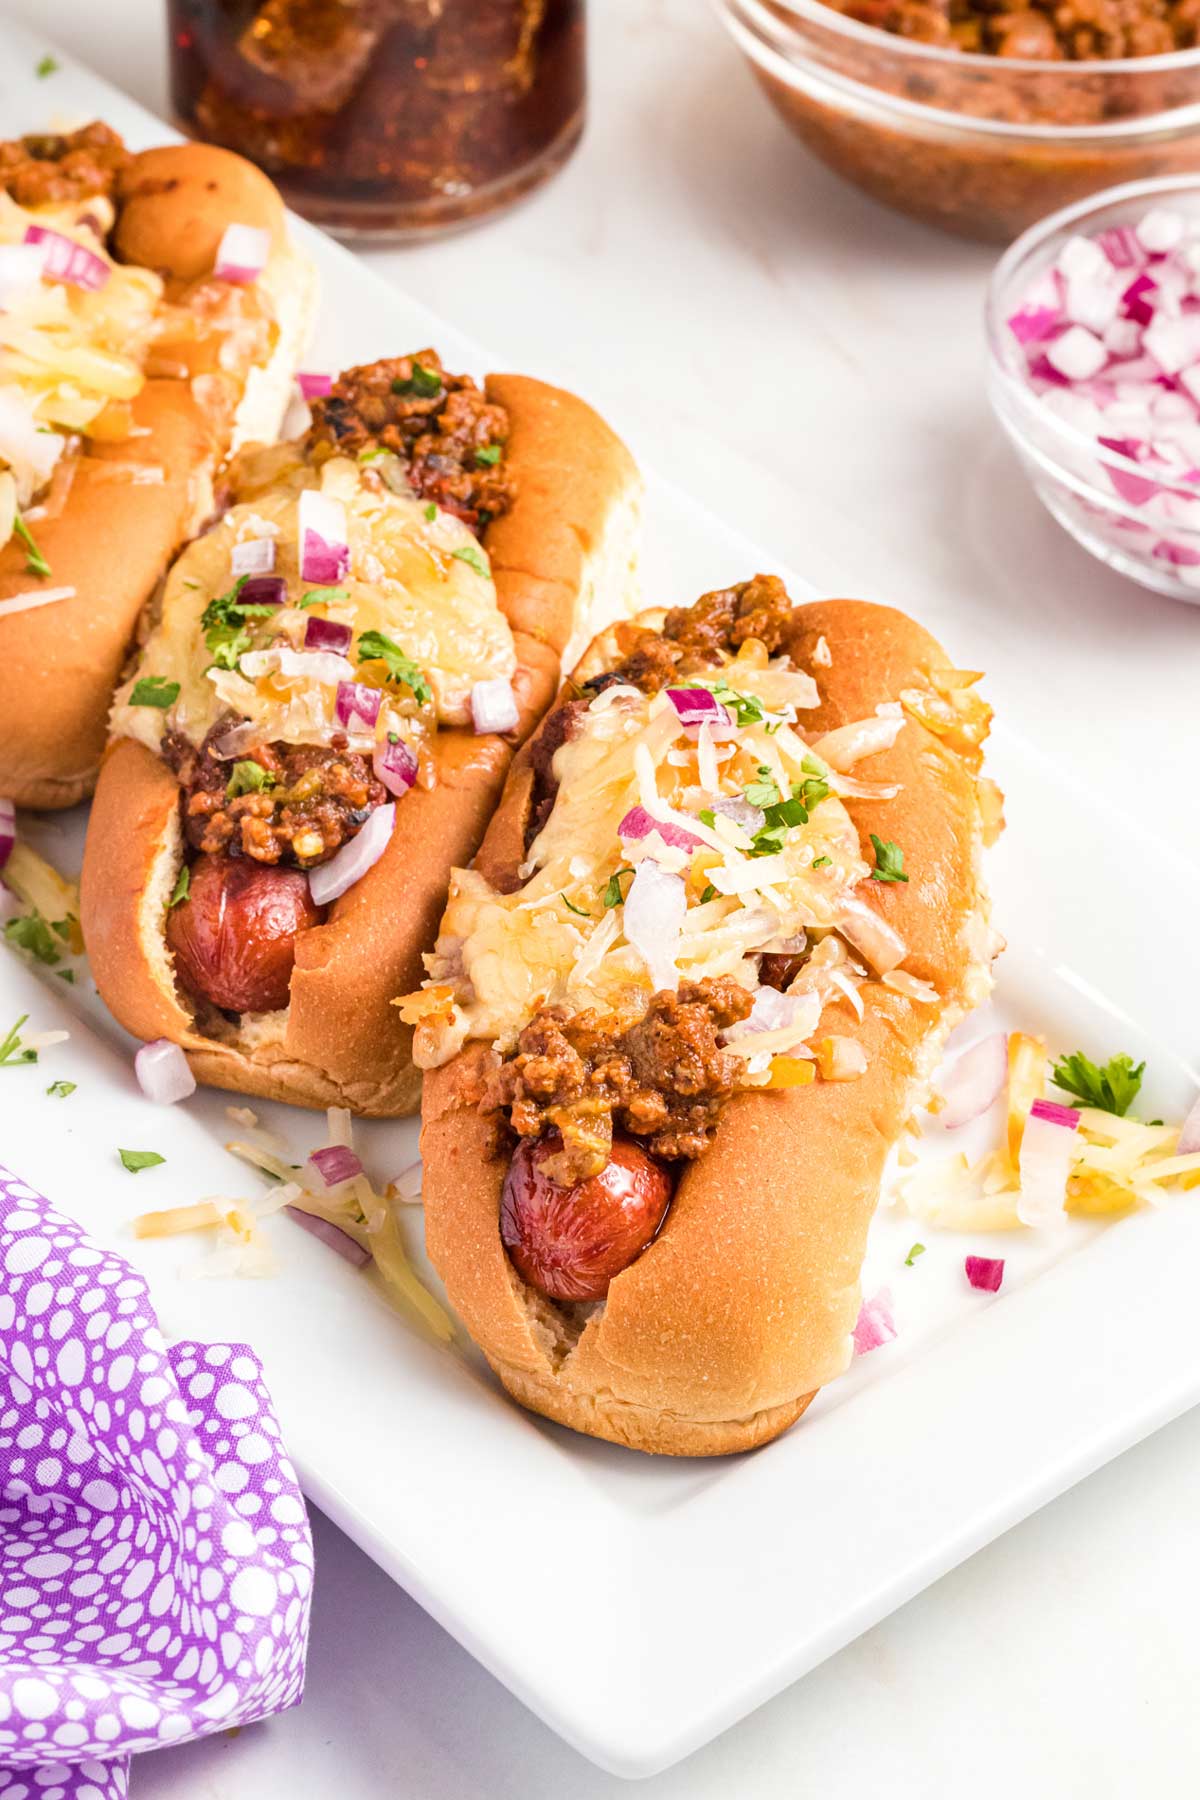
60,663
176,201
341,1041
114,537
715,1339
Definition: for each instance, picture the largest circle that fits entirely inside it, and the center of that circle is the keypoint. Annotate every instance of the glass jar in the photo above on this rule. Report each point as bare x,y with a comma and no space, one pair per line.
385,118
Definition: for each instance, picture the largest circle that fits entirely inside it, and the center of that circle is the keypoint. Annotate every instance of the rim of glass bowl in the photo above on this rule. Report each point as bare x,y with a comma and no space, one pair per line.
764,39
1003,359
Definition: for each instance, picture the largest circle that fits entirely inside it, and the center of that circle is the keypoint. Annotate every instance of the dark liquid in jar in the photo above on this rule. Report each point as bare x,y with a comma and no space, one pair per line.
386,116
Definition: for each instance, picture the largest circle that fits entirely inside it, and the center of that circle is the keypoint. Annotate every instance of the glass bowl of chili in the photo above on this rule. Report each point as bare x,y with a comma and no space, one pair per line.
980,144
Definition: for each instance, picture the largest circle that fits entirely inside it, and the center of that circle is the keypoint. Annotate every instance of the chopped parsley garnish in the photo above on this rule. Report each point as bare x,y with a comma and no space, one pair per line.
822,862
248,778
61,1090
710,893
781,816
35,562
910,1259
1111,1087
31,932
612,895
180,891
133,1160
708,817
322,597
224,624
474,559
571,907
489,456
67,975
431,511
12,1051
747,709
423,383
45,65
889,861
155,690
374,647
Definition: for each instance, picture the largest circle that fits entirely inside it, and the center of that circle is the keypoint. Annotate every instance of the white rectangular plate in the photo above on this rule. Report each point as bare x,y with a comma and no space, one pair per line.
640,1606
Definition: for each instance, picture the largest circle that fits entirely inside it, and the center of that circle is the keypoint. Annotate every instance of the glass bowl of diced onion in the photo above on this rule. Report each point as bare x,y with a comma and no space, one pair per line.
1093,322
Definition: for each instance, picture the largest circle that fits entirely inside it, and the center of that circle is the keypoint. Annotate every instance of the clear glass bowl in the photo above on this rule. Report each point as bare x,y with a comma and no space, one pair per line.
982,145
1147,530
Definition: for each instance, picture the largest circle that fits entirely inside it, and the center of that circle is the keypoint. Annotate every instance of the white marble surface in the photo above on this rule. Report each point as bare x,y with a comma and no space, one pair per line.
775,341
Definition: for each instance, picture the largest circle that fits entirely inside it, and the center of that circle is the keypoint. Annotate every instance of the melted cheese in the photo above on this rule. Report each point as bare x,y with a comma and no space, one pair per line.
408,579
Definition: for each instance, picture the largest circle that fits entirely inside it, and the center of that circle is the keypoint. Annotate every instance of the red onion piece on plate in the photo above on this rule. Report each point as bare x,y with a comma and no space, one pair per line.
876,1323
356,700
494,706
352,861
336,1163
974,1081
253,556
326,634
1047,1152
638,824
395,764
330,1235
696,707
8,830
65,260
242,254
986,1272
324,547
313,385
1189,1136
163,1073
263,590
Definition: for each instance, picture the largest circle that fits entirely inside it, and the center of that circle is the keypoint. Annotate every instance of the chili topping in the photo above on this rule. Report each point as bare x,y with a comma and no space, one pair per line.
54,170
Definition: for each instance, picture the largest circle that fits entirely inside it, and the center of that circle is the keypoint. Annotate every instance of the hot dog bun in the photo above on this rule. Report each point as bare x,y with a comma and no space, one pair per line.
716,1338
565,545
131,504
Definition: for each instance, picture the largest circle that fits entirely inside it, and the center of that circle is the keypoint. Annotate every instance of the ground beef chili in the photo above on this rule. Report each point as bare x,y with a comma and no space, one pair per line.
663,1079
316,799
449,438
55,170
1059,30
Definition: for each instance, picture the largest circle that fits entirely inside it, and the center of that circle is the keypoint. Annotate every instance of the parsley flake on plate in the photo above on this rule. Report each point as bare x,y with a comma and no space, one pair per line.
1111,1087
61,1090
133,1160
12,1050
474,559
889,861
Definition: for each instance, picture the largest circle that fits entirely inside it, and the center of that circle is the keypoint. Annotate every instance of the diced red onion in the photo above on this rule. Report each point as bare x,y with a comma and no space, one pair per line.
314,386
395,764
20,269
655,907
494,706
356,700
974,1081
1173,343
1047,1151
638,824
1138,490
8,829
1078,354
351,862
1055,1113
253,556
1180,556
876,1323
751,819
324,548
1189,1136
1123,247
1031,324
65,260
336,1163
163,1073
331,1236
1081,259
327,634
697,706
986,1272
242,254
264,590
1161,231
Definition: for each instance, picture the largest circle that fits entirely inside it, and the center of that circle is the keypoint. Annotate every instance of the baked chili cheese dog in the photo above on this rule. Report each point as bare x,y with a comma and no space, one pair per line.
153,315
319,725
683,1004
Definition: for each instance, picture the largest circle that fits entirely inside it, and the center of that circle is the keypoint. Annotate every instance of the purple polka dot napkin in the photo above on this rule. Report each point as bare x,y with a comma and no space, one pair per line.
155,1557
